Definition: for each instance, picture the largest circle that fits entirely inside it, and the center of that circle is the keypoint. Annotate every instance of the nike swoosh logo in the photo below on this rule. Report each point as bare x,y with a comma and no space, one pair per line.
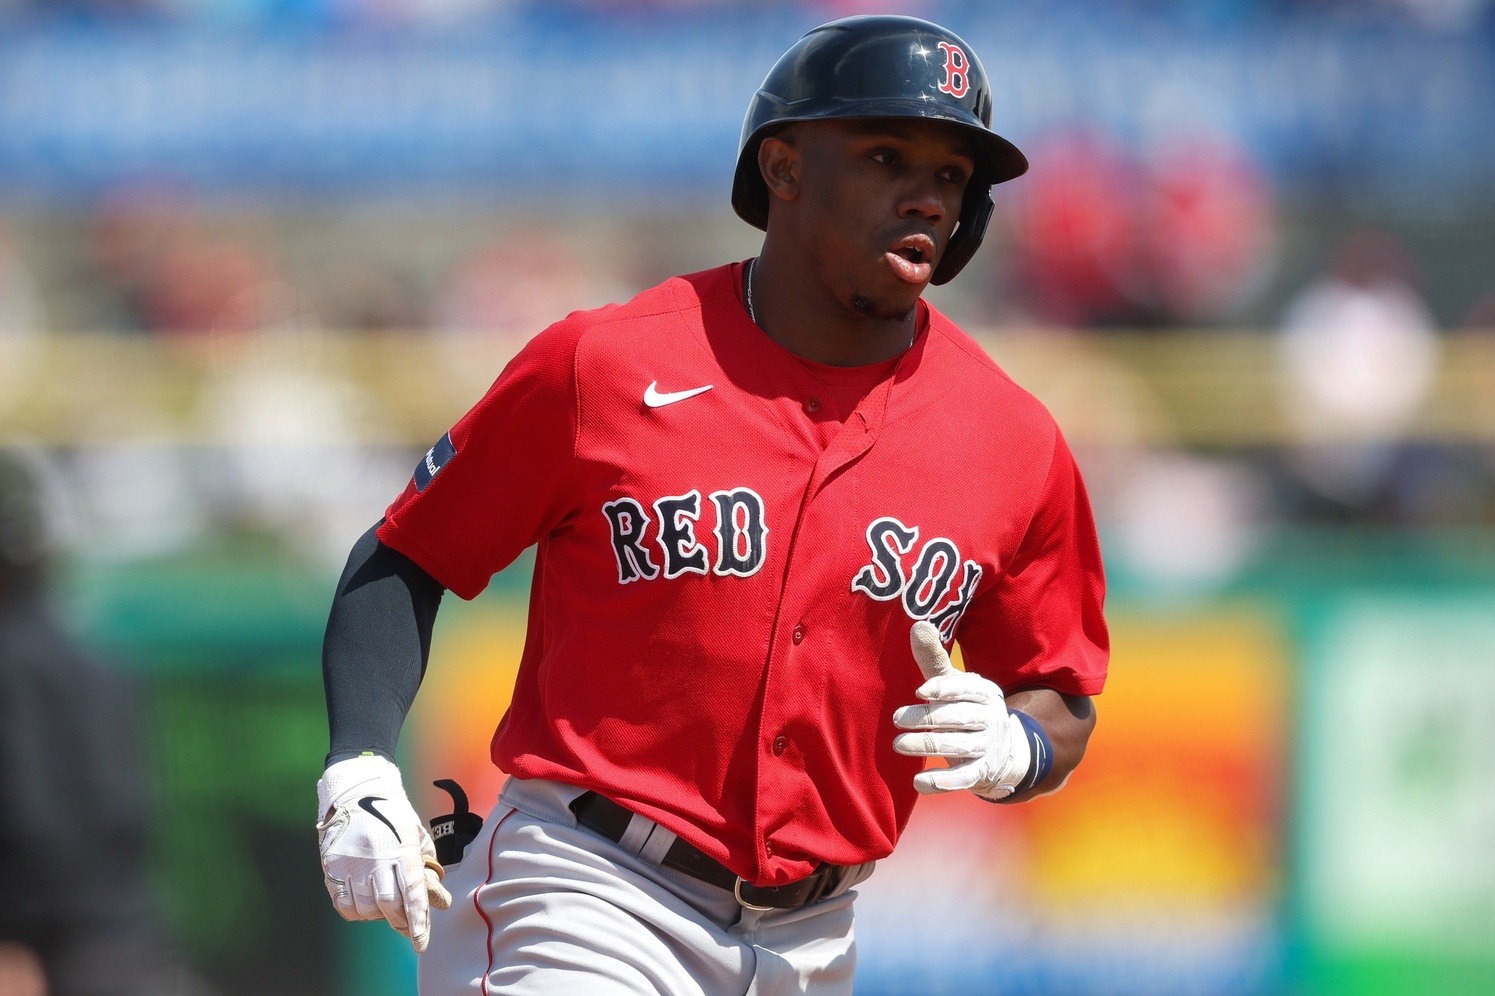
654,399
367,805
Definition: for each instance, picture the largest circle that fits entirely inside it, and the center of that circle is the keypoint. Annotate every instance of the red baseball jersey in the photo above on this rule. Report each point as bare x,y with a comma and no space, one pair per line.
728,566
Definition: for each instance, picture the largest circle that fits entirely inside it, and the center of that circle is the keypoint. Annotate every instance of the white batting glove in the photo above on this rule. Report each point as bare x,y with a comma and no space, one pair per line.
377,856
966,720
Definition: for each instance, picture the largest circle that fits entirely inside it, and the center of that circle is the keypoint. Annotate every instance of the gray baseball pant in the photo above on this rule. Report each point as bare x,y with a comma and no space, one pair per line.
542,906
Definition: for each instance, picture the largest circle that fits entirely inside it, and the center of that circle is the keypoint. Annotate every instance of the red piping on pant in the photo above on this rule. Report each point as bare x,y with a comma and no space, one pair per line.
477,895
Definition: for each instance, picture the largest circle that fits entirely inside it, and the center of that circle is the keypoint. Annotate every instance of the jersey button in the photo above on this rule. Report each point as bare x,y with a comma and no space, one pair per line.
799,633
780,743
812,405
768,849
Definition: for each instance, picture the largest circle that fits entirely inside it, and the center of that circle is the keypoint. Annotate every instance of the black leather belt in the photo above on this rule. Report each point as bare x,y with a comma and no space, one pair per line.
599,813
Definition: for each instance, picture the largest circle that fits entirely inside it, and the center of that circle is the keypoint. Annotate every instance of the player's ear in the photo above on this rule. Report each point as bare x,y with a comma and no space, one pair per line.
779,161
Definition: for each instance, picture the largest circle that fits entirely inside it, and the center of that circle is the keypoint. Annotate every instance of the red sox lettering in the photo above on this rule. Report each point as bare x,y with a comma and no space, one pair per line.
931,584
741,535
926,584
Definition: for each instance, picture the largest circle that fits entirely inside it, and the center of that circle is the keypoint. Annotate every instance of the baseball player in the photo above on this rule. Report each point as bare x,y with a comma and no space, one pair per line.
765,499
77,912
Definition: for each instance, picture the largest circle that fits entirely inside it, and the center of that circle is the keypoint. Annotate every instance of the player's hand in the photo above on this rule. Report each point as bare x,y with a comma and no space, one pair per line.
377,856
964,719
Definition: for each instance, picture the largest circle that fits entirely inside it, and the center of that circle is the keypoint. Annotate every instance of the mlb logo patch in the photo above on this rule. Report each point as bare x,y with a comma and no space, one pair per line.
436,458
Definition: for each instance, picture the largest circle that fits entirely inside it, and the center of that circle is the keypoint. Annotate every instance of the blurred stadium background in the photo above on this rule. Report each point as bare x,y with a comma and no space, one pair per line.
256,255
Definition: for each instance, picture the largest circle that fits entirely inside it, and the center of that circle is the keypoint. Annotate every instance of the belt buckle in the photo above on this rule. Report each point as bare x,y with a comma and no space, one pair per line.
737,891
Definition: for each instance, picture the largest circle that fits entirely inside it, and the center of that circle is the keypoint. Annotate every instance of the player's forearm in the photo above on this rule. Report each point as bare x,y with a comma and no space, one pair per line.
1067,720
376,646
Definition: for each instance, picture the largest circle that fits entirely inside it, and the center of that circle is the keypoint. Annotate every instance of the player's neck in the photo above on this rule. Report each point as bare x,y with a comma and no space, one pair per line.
810,322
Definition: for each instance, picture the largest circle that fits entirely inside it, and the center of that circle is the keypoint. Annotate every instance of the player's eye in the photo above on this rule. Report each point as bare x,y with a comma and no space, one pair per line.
954,174
886,157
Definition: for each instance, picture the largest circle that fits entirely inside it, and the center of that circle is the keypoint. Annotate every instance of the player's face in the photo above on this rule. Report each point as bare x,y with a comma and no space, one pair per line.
880,198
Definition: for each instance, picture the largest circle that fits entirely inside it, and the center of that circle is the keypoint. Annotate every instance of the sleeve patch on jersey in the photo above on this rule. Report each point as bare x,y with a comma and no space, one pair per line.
436,458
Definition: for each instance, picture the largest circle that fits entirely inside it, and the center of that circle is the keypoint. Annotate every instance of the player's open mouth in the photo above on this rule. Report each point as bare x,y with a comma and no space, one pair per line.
912,258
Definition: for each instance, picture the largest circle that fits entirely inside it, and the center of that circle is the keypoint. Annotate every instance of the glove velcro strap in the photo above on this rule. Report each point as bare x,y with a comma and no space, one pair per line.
1042,752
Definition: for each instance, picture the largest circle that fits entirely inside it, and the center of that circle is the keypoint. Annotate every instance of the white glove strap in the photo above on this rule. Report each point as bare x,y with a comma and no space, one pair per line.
357,776
1007,769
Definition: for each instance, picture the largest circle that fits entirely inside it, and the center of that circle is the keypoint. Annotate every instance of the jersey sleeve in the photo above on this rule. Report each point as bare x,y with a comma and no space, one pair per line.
1041,624
496,483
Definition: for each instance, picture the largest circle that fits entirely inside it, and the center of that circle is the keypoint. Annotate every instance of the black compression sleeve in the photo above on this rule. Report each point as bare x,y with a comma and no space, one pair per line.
376,647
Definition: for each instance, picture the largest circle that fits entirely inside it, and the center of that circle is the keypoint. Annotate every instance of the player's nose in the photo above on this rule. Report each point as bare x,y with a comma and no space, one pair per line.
922,195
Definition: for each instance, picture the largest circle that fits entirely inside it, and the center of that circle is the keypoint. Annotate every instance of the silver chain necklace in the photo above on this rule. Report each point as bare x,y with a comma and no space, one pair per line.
748,291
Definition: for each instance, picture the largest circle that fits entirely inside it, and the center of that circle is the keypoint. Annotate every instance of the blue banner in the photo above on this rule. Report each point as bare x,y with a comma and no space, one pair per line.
653,106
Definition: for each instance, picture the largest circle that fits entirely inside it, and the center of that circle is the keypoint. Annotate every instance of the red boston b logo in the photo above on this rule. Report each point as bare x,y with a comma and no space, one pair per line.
956,81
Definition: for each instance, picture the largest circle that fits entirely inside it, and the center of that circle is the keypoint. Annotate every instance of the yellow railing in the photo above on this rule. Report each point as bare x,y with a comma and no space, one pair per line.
1198,389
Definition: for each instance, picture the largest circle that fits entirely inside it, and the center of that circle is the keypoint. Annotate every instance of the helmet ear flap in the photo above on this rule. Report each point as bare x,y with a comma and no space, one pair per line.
975,215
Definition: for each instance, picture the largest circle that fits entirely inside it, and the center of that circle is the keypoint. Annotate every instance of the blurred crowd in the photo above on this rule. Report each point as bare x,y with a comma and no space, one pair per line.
1187,234
1099,239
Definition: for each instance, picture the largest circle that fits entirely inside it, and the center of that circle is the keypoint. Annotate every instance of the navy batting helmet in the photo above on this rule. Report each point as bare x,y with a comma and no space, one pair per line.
881,66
